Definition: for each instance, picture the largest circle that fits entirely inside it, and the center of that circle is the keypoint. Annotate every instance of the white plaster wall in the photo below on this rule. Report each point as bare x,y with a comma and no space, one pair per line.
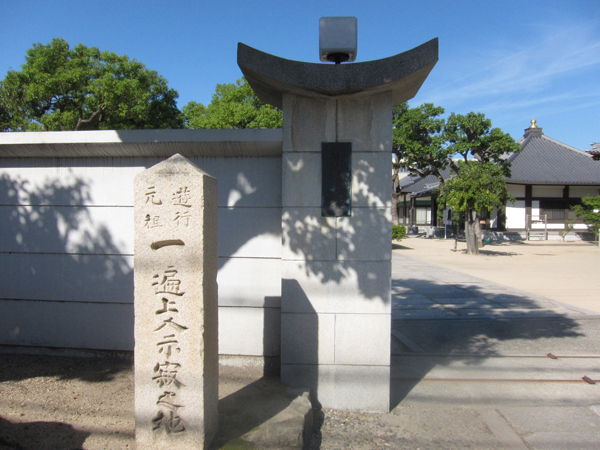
515,215
547,191
583,191
66,249
516,190
550,226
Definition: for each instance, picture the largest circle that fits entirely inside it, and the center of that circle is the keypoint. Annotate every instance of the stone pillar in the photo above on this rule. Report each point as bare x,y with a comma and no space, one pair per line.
176,339
336,308
336,271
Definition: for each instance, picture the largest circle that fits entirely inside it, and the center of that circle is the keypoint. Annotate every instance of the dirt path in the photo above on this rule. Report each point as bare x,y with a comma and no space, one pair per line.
567,272
59,403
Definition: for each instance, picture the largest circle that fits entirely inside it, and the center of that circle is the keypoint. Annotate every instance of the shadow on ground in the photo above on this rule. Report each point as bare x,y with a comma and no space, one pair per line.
439,323
40,436
396,246
251,407
17,367
492,253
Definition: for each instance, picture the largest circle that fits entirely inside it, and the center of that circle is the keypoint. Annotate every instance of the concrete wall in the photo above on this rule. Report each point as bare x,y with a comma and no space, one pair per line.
66,252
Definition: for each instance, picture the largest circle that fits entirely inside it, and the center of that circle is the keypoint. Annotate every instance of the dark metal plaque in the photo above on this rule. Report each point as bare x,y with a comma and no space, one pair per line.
336,182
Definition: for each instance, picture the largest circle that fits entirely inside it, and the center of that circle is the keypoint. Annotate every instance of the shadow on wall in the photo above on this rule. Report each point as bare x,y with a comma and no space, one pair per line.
304,328
336,284
60,268
358,246
253,209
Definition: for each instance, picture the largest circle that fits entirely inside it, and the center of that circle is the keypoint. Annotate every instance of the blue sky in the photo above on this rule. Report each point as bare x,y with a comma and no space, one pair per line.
511,60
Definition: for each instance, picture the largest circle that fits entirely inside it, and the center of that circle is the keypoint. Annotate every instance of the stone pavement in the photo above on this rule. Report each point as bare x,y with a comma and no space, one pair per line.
492,366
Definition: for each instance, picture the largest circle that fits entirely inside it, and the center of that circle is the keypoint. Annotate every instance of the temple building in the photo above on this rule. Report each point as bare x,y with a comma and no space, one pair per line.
548,177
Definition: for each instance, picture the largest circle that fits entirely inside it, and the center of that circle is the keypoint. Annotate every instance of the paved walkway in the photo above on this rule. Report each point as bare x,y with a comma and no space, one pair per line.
424,290
494,367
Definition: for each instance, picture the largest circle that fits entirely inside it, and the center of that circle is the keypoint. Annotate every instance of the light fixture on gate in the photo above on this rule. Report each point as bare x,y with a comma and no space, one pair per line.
337,39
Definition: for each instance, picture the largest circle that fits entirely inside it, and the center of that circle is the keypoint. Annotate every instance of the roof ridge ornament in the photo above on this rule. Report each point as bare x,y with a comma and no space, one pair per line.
533,130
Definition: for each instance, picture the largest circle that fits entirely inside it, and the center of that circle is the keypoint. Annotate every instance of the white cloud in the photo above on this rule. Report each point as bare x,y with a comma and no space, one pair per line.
557,61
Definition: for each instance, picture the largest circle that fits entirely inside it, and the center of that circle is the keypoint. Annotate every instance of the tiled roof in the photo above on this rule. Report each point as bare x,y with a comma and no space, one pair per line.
544,160
421,185
417,185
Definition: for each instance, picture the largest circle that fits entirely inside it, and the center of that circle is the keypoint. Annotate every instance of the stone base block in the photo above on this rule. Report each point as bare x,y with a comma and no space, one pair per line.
357,339
364,388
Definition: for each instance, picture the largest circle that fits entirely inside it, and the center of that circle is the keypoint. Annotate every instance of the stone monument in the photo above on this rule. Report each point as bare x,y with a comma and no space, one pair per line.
176,310
336,216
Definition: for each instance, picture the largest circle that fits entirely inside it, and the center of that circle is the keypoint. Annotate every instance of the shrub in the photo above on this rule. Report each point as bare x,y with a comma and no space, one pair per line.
398,232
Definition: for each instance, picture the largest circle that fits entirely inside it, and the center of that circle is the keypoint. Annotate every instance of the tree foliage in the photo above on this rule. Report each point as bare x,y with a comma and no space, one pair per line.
398,232
477,187
82,88
473,136
233,106
426,144
589,211
418,141
418,145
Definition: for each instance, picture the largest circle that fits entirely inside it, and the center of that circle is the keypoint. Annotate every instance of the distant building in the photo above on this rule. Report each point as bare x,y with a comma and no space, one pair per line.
548,177
594,151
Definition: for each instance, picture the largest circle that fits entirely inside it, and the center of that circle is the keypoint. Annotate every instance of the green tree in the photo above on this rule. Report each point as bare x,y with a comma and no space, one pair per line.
589,211
82,88
426,144
477,187
11,104
472,136
418,145
233,106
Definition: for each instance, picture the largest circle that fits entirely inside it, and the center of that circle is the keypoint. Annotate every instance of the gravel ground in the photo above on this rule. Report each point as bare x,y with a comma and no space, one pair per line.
68,403
407,428
65,403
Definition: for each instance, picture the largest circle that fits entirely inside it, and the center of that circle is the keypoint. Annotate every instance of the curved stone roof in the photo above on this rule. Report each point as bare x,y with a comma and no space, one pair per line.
403,74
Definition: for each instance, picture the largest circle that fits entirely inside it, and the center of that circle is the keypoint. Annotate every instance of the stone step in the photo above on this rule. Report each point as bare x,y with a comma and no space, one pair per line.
494,368
497,393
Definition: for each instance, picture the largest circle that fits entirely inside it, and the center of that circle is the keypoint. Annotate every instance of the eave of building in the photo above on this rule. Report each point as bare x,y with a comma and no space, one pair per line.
143,143
548,183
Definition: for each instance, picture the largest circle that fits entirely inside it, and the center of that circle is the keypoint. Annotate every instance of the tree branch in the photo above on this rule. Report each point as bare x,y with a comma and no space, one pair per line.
81,121
454,166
